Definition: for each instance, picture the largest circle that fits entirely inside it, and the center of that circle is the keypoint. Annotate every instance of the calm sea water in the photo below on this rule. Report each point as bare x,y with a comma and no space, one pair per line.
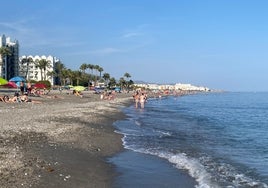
219,139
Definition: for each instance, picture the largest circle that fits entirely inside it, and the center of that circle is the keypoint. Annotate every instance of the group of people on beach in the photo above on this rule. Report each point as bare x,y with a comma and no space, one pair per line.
140,98
22,94
17,98
107,95
31,89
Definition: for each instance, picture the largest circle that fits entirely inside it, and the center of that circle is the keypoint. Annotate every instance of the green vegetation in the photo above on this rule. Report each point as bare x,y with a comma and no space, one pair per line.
88,75
4,52
27,61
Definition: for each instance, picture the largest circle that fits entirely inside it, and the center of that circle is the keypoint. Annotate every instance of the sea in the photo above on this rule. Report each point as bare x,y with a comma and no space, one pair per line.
200,140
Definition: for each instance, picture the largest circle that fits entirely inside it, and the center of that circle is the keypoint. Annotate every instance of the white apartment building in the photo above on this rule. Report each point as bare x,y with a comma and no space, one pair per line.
189,87
178,86
30,71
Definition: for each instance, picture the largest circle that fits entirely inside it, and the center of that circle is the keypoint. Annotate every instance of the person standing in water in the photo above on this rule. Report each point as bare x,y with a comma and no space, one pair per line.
136,99
142,99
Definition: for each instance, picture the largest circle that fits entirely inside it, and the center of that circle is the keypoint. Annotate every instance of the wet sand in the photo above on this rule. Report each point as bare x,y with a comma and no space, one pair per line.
62,142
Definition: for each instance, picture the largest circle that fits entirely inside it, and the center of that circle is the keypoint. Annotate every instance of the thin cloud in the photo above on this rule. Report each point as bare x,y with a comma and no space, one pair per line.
135,32
98,52
8,25
106,51
131,34
18,27
30,37
21,31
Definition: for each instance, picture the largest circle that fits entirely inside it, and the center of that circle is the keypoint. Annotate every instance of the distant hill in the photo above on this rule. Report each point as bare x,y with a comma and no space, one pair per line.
140,82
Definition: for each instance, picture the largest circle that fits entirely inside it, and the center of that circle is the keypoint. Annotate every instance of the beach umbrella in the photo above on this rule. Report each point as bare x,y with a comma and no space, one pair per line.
17,79
10,85
3,81
68,86
40,86
79,88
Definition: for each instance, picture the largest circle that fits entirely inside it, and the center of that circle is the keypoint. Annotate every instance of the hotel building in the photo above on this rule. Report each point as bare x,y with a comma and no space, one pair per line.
9,64
30,70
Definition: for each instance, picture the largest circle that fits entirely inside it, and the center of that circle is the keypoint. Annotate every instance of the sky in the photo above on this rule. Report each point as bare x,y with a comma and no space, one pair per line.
220,44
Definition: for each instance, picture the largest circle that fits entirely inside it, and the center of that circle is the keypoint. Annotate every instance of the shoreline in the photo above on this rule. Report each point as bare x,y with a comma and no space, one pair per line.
63,142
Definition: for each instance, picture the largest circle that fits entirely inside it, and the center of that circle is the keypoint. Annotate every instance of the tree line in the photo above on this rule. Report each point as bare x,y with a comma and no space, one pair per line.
87,75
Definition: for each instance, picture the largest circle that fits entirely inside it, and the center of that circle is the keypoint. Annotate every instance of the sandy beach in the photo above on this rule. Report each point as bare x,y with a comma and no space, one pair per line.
62,142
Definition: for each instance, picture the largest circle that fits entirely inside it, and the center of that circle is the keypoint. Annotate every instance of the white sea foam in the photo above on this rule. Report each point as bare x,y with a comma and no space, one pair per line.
164,133
242,180
137,123
198,171
195,168
129,132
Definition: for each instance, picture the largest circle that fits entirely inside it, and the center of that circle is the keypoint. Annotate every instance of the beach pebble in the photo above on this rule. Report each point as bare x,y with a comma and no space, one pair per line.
22,139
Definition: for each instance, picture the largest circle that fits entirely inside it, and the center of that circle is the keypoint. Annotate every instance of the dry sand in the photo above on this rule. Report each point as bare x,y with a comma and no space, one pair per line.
63,142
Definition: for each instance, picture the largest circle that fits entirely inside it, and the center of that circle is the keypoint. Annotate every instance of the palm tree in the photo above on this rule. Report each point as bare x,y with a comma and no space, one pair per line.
4,52
83,67
51,74
68,76
91,67
96,78
127,75
96,67
112,82
77,75
100,69
122,82
42,64
64,76
59,67
106,77
47,64
127,83
27,60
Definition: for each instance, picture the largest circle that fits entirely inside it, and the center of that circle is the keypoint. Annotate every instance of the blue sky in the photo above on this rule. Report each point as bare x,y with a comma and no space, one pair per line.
221,44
